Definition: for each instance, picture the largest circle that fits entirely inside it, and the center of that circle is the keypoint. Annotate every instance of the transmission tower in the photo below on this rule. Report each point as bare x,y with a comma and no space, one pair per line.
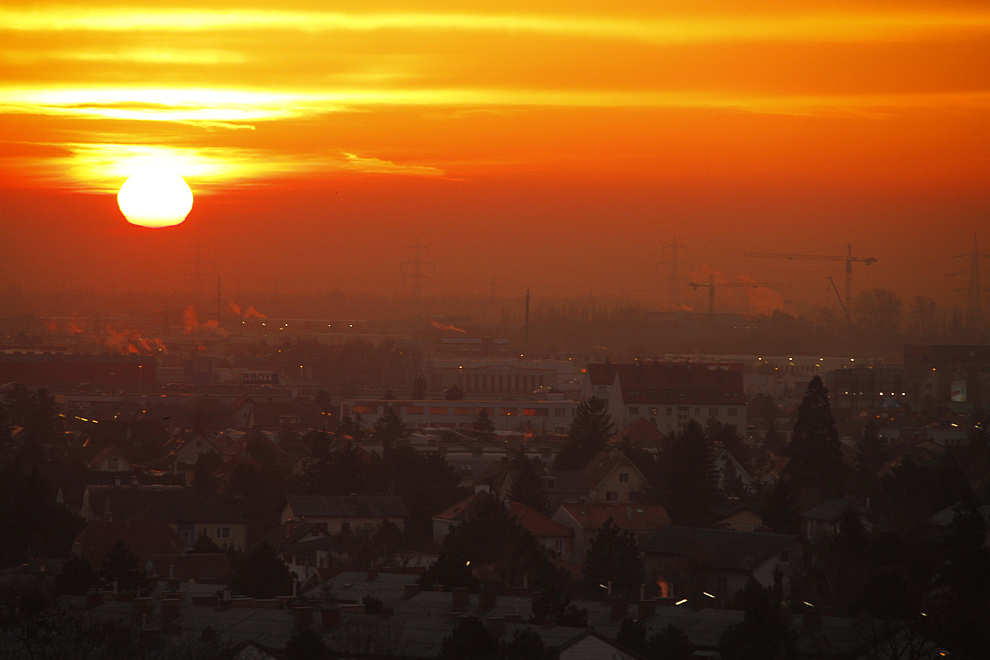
974,291
416,271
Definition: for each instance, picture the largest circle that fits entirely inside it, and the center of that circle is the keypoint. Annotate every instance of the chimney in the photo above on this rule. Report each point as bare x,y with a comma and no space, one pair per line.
459,599
486,600
329,618
303,617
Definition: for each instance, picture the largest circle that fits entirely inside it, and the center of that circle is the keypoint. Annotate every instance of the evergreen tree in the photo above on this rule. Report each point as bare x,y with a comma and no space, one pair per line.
587,435
261,574
554,603
351,426
492,542
761,634
77,576
390,428
484,426
307,644
613,556
776,507
671,643
965,577
470,640
527,486
816,466
120,567
688,477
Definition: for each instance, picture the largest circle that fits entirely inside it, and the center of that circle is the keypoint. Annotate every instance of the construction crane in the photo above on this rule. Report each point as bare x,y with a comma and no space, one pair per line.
712,285
849,259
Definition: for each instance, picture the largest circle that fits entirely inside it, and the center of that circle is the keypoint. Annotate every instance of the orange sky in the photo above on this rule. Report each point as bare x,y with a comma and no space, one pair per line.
552,146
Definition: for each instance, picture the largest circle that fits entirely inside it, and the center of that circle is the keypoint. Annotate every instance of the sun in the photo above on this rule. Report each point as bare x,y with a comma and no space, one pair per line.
155,199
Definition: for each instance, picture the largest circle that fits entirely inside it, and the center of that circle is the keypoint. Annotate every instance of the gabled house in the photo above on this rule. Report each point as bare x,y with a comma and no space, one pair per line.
711,565
110,460
303,546
188,512
824,520
613,478
187,446
549,533
352,512
457,514
585,520
669,394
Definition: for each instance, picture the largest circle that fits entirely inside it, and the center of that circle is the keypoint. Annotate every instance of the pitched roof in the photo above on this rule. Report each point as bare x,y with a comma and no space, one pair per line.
347,506
603,464
536,523
673,382
142,537
631,517
640,432
459,512
291,532
169,504
718,548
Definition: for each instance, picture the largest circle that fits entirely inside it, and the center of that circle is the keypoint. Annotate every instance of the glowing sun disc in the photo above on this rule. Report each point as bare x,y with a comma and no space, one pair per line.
155,199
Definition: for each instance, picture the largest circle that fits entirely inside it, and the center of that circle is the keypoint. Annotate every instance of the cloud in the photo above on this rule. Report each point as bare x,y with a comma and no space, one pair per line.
379,166
836,26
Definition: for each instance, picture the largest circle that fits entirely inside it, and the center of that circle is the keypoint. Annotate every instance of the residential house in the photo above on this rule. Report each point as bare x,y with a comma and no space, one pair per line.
457,514
110,460
303,546
548,533
711,565
669,394
613,478
352,512
642,520
189,513
824,520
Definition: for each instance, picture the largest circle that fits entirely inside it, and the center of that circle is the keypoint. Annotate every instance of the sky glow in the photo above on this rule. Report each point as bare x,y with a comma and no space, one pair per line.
589,133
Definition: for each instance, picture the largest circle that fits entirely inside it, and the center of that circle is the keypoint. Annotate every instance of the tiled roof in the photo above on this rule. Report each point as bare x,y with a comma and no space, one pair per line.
458,512
347,506
673,383
536,523
640,432
602,465
632,517
169,503
718,548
